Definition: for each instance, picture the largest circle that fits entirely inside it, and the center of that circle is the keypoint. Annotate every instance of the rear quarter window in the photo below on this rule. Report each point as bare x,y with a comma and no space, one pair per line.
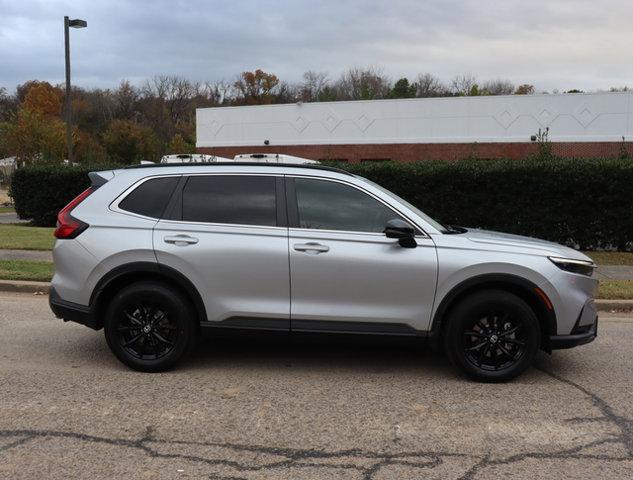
150,198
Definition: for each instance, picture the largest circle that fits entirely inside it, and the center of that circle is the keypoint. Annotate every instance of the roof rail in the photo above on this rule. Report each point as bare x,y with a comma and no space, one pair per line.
310,166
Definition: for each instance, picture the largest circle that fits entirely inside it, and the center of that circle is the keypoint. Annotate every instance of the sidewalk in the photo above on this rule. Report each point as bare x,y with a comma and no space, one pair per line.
30,255
11,217
614,272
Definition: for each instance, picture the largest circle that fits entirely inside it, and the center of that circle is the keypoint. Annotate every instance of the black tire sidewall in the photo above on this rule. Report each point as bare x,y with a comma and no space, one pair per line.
477,304
180,311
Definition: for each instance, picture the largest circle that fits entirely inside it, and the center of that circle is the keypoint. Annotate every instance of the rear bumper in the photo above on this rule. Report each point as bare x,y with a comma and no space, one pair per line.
71,312
587,335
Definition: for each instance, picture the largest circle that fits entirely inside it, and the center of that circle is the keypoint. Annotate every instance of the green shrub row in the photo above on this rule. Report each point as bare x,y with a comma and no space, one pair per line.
40,192
586,204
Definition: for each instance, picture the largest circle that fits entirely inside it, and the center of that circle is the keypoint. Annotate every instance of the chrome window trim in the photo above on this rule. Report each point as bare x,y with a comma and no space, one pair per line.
232,225
375,197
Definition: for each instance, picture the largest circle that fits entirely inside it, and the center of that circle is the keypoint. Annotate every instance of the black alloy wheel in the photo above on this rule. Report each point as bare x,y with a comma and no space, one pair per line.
492,335
150,326
147,331
495,341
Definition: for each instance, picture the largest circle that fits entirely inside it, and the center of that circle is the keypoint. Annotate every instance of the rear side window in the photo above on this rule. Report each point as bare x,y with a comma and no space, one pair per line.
236,199
150,197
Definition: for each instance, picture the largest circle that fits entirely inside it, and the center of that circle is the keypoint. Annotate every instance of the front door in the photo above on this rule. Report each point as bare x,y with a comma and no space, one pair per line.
346,275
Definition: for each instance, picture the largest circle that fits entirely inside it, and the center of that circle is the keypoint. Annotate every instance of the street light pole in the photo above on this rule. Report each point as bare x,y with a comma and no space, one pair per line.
76,23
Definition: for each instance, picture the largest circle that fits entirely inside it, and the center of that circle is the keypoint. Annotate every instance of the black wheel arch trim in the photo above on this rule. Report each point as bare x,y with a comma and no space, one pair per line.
141,269
500,281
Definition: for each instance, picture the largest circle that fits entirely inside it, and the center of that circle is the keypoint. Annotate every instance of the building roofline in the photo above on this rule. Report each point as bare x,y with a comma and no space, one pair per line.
419,99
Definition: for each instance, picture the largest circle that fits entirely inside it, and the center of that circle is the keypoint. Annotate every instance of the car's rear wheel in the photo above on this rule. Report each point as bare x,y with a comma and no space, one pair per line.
149,326
492,336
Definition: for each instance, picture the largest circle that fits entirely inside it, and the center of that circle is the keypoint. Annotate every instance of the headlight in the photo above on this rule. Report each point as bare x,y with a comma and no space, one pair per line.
583,267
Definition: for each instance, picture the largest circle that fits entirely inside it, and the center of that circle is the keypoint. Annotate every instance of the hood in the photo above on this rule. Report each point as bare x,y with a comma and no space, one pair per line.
527,244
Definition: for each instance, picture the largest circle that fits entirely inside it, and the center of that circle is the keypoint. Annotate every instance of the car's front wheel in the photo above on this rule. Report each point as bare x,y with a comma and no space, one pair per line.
492,336
149,326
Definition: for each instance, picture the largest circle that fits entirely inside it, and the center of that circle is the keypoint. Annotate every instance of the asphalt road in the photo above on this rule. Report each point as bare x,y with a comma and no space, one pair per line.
304,410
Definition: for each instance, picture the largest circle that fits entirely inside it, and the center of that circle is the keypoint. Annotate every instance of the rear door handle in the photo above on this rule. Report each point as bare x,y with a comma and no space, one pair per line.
180,240
311,247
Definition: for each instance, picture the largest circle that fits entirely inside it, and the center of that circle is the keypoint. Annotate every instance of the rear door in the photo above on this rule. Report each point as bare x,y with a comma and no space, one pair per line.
228,234
346,274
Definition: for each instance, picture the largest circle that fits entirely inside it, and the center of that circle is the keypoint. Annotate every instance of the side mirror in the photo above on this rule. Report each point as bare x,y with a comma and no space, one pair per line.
401,230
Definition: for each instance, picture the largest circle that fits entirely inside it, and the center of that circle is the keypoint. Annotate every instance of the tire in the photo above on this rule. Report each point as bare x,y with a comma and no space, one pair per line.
150,326
492,336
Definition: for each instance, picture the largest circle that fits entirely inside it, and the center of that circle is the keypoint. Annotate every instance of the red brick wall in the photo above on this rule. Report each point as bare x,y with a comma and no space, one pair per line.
407,152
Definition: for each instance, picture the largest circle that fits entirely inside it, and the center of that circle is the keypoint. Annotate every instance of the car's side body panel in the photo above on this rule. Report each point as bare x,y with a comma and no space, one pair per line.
240,271
361,278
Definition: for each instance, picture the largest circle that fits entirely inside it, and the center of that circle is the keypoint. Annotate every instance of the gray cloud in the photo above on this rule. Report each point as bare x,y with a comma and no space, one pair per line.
552,44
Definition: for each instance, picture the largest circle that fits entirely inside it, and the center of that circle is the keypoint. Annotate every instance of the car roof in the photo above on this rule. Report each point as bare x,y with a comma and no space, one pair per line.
255,166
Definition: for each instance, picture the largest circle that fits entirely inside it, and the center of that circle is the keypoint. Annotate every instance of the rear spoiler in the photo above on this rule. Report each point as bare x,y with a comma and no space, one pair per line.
100,178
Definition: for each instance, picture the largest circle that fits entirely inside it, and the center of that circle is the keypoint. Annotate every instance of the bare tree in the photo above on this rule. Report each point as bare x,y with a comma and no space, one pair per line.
363,84
287,93
213,94
168,105
497,87
125,100
428,85
313,85
177,94
8,105
465,84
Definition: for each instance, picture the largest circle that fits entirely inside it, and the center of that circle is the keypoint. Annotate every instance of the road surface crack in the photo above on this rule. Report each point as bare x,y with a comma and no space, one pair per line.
362,464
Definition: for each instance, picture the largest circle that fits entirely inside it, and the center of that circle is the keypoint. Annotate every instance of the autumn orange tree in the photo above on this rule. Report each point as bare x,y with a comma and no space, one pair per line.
36,134
255,88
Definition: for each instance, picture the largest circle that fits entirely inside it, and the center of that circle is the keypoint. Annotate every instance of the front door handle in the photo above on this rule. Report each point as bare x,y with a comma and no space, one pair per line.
311,247
180,240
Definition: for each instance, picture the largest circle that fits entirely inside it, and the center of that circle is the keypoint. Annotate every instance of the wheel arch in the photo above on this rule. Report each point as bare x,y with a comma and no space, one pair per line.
521,287
129,273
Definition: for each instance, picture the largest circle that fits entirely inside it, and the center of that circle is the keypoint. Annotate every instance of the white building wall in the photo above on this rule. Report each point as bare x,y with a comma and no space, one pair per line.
512,118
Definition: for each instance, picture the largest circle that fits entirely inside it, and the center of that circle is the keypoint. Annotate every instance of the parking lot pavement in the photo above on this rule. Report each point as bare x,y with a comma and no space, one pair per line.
250,409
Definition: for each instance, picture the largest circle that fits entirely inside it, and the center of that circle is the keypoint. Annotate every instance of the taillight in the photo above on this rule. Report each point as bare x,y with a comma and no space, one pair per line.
67,225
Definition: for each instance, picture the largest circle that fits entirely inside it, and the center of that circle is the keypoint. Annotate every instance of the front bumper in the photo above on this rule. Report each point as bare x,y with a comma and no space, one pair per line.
578,336
73,312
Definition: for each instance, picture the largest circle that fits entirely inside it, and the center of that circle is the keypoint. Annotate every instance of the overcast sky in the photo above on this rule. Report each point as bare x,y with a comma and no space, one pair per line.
553,44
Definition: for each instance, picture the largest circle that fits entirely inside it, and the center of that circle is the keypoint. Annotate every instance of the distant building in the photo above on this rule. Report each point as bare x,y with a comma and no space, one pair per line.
580,125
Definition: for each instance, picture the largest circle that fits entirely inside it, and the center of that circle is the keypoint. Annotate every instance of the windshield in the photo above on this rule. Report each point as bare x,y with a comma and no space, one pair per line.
437,225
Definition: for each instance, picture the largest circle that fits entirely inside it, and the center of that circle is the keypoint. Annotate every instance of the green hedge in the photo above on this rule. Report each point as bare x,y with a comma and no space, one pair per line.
40,192
586,204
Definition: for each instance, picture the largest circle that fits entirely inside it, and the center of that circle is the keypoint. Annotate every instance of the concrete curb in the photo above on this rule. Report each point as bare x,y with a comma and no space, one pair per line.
614,305
42,288
22,286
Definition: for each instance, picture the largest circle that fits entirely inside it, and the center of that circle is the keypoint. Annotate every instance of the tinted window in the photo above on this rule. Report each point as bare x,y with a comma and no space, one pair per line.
334,206
246,200
150,198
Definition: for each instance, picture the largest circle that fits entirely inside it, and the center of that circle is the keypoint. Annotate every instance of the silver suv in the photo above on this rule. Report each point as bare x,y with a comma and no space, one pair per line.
154,254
